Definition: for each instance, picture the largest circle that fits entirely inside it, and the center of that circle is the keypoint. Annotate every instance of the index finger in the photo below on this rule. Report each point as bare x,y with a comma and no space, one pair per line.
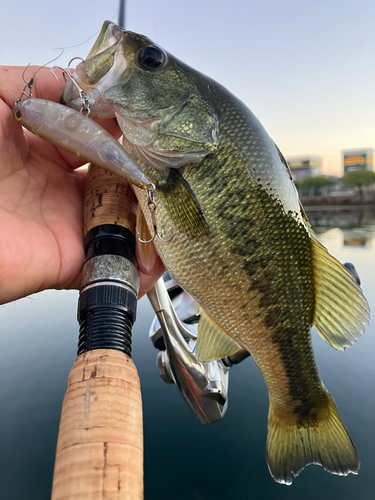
45,85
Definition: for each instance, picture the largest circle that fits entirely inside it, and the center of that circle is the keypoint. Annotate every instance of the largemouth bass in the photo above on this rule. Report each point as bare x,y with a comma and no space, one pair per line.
242,245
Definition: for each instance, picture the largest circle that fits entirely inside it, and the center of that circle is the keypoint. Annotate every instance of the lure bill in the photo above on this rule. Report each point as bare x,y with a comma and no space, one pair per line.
78,134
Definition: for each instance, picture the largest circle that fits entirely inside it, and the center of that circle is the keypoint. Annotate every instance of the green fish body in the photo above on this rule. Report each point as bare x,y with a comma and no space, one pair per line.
241,246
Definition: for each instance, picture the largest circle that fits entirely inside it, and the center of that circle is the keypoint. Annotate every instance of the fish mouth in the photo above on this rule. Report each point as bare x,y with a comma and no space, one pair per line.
103,69
108,36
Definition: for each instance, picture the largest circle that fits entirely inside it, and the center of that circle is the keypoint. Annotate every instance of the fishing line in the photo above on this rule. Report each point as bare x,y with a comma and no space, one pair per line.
155,26
87,40
29,84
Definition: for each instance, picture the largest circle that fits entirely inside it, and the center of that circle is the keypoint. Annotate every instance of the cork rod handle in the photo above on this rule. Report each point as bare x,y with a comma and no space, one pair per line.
100,445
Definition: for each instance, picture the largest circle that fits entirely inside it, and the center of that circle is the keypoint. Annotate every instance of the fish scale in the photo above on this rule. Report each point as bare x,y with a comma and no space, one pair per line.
256,264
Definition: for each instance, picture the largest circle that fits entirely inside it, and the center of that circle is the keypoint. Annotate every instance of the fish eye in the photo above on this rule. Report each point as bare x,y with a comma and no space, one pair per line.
151,58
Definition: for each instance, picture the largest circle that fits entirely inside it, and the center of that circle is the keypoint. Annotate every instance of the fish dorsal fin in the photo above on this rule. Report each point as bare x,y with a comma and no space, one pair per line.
213,343
341,310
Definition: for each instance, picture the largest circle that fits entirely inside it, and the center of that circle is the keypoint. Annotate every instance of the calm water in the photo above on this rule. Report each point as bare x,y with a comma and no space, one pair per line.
183,459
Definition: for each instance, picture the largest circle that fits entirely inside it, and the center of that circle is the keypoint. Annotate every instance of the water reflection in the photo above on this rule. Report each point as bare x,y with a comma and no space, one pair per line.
183,459
344,219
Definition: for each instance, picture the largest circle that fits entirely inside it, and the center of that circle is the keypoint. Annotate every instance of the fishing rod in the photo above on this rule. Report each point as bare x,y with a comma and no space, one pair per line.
100,443
99,450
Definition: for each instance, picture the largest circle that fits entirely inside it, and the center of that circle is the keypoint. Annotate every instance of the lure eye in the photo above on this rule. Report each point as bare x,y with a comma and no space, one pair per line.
151,58
18,115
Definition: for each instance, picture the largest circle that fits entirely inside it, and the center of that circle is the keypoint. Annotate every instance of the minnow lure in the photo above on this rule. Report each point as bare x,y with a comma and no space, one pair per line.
78,134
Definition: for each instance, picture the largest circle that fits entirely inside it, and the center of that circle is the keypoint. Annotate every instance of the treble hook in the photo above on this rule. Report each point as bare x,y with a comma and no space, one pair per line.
85,109
73,59
151,204
30,83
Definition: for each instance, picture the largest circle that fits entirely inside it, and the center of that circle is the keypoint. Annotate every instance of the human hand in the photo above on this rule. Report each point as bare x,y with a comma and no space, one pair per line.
41,201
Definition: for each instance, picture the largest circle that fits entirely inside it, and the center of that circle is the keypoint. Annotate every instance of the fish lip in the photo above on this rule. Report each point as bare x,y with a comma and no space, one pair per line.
100,106
110,40
109,35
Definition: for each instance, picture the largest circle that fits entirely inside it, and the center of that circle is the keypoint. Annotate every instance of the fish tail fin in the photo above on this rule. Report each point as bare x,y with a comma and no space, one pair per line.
325,442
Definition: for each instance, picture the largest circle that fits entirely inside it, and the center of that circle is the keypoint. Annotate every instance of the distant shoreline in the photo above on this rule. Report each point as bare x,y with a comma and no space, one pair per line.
343,202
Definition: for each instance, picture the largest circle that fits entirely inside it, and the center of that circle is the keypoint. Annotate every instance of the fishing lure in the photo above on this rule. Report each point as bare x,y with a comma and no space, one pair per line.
78,134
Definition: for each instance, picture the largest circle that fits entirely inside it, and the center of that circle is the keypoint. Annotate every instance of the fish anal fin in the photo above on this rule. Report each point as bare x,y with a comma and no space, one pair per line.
213,343
325,442
341,310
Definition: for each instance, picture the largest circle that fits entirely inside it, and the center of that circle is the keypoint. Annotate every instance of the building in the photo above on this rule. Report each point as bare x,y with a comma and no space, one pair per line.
358,159
304,166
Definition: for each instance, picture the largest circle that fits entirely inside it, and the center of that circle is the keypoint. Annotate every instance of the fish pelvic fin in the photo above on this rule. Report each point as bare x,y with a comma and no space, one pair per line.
341,310
213,343
325,442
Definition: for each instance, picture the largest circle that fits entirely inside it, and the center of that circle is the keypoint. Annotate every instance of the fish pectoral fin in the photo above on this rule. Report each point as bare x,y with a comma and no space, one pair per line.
183,207
322,440
213,343
341,310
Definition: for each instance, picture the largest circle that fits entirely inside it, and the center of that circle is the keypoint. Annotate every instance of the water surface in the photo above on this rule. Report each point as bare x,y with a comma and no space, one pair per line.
184,460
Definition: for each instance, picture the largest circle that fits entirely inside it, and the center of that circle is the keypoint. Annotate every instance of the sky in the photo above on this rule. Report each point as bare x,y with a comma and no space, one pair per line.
305,68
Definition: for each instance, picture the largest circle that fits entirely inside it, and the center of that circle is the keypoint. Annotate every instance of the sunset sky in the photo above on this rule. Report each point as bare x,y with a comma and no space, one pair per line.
306,69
